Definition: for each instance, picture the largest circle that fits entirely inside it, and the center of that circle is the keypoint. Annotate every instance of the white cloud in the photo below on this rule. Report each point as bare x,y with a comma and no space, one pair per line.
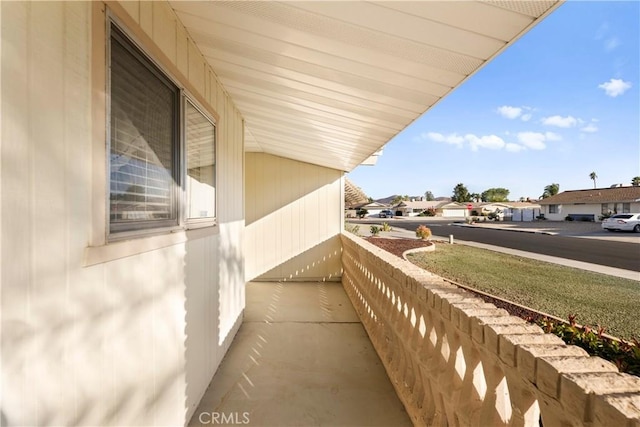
510,112
492,142
611,44
453,138
602,30
535,140
559,121
551,136
615,87
590,128
514,148
525,141
532,140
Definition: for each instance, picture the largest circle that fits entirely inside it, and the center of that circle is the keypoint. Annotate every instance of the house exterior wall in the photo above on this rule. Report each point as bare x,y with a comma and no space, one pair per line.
589,209
454,213
294,219
128,333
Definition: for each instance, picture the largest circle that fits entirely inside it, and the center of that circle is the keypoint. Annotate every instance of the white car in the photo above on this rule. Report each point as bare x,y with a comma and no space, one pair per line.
626,222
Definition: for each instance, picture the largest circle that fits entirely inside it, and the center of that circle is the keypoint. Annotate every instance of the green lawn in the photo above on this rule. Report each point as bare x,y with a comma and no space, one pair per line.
597,299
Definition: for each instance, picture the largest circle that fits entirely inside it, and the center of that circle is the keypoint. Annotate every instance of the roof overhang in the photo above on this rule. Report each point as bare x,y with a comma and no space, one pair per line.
331,82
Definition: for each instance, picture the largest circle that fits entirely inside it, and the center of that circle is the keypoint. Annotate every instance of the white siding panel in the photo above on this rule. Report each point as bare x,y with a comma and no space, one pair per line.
182,51
164,30
133,9
196,68
146,17
286,236
133,341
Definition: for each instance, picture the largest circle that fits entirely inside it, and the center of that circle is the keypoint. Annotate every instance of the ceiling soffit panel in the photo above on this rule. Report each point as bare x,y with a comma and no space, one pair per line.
330,83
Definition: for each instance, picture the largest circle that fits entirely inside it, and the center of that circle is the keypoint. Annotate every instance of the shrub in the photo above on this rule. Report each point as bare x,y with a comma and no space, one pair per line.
362,213
374,230
568,218
430,212
386,226
625,354
423,232
541,217
354,229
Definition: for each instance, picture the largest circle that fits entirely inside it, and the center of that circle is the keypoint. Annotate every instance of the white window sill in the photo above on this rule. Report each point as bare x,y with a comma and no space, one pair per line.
115,250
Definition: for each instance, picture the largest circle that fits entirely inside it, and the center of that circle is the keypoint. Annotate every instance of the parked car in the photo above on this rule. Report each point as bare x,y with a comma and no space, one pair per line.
625,222
385,214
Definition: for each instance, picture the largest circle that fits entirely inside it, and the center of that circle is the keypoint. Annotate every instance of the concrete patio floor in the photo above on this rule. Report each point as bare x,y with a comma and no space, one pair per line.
300,358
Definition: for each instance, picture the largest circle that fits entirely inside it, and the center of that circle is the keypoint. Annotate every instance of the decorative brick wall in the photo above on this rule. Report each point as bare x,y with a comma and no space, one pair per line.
456,360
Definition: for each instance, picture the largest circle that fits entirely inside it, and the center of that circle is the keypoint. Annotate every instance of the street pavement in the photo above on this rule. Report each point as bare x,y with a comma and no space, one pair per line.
579,230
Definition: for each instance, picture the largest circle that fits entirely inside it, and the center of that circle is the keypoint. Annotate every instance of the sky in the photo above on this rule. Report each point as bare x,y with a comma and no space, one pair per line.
561,102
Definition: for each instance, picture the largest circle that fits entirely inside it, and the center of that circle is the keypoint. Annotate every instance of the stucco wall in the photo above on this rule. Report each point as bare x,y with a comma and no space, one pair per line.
294,217
593,209
94,333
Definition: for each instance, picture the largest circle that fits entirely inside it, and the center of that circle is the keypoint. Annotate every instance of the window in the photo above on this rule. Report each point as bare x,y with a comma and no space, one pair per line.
201,172
626,207
604,209
161,147
553,209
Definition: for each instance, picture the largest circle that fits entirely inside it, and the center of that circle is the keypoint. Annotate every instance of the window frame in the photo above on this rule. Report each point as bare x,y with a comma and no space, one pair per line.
181,222
190,223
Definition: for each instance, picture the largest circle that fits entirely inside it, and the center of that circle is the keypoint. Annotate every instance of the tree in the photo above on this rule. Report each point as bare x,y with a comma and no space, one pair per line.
495,195
398,198
593,176
429,196
475,197
635,181
461,194
550,190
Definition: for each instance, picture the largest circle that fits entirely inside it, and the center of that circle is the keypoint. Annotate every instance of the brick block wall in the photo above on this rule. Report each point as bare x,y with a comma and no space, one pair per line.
456,360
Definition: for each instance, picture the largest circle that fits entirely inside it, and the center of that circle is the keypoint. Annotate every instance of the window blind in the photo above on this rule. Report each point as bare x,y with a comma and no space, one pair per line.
143,142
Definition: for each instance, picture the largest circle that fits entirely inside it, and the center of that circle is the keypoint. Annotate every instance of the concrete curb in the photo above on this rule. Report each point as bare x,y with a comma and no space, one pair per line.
518,230
430,248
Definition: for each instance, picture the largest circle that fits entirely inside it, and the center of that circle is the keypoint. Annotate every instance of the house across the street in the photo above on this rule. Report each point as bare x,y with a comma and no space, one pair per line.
592,204
416,207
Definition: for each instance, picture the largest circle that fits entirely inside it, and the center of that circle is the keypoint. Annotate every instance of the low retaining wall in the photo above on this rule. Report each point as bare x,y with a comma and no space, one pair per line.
456,360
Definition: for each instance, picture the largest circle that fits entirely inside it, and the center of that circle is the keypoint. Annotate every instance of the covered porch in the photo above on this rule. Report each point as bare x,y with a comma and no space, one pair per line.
301,357
127,327
444,357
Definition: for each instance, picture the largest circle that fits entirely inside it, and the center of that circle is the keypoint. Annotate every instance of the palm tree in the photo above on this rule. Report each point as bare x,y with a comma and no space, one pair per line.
551,190
593,176
635,181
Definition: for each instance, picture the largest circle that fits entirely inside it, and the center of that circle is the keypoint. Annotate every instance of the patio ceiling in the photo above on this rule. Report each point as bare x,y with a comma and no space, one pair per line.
331,82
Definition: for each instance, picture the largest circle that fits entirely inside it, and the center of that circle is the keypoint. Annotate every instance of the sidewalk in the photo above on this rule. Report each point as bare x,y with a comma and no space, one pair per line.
400,233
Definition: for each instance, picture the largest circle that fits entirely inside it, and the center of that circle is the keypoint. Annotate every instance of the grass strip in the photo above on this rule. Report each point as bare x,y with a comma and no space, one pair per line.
597,299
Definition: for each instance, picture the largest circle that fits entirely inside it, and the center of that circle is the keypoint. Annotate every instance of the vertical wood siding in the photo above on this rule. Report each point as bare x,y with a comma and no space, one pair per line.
133,341
293,215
